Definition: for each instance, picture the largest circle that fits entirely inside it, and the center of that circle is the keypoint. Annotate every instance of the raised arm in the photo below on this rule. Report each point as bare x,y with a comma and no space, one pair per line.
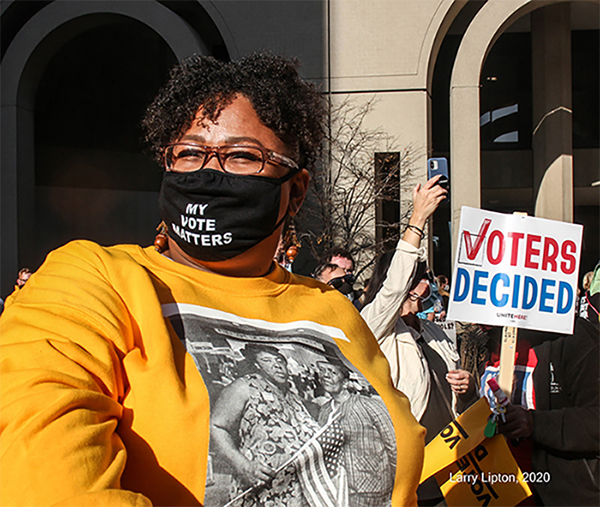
382,313
426,199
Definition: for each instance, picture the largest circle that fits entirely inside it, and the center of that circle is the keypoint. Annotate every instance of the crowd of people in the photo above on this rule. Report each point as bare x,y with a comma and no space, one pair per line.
199,371
552,423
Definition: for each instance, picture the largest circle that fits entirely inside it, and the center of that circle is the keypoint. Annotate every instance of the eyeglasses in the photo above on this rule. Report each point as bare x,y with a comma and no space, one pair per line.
233,158
415,297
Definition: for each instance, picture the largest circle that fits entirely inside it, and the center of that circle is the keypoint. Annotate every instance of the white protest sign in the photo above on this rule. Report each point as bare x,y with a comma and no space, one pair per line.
448,326
515,270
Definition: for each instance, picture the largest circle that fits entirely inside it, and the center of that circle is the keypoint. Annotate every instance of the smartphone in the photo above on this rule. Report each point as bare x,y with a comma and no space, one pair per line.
437,166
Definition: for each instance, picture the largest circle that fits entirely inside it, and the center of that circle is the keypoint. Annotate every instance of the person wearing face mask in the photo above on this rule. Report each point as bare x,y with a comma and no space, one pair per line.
336,277
424,361
112,359
434,306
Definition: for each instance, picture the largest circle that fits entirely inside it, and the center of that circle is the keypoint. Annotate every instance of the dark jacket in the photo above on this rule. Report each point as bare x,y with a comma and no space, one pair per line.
567,419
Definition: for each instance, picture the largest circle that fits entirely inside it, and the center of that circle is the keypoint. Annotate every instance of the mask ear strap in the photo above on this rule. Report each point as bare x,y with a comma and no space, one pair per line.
279,223
281,181
288,176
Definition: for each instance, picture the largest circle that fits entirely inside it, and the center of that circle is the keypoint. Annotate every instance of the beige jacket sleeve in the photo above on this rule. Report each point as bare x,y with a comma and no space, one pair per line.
382,313
408,368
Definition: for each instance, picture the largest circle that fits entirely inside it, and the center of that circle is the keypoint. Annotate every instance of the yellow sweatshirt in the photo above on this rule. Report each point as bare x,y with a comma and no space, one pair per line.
111,359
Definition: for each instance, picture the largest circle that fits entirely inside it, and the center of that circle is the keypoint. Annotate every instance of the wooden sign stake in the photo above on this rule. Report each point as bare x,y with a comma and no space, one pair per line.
507,359
508,349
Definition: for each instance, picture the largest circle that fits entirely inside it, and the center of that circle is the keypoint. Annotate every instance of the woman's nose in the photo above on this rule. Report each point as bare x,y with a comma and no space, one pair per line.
212,161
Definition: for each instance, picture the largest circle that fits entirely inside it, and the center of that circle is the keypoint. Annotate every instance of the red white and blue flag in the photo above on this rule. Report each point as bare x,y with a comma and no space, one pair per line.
320,468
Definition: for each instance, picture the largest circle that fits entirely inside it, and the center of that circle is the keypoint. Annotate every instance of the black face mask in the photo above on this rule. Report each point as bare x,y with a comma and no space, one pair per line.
344,285
214,216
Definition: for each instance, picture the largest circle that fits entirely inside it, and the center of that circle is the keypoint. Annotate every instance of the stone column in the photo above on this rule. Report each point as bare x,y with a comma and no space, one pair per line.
552,143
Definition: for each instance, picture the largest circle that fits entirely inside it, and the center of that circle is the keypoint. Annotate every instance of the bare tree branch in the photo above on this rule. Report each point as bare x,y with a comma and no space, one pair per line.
341,206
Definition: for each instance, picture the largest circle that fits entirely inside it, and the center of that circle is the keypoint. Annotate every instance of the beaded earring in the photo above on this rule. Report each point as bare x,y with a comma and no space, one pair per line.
292,240
161,241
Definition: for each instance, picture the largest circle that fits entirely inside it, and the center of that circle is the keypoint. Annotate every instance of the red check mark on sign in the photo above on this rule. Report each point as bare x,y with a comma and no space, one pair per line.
472,250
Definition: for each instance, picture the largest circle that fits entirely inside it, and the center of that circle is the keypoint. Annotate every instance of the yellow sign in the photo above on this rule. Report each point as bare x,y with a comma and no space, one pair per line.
471,469
487,475
458,438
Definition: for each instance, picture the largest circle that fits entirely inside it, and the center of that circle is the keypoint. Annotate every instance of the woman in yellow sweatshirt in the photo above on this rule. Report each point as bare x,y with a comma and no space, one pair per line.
113,358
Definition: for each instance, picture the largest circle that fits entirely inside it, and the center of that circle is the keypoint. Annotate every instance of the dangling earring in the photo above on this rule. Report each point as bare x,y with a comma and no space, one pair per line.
161,241
291,240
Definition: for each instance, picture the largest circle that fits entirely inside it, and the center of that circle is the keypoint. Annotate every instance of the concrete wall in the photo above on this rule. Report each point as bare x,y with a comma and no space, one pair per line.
377,50
294,28
491,21
384,51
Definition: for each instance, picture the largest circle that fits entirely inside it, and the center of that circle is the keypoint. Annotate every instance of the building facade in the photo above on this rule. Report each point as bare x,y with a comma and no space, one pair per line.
506,90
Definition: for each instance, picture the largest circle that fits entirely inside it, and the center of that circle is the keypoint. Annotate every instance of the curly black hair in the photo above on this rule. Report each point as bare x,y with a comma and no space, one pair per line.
291,107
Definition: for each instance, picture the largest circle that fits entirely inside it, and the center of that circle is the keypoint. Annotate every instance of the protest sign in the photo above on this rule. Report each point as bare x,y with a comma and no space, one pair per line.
487,475
470,468
515,270
459,437
448,326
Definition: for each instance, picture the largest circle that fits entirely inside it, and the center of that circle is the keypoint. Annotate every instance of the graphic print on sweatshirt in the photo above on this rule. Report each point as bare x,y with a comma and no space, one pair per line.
292,423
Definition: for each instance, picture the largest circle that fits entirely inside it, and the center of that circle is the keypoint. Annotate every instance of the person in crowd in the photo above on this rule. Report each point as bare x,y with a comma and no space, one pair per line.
436,310
366,427
328,271
101,402
400,283
342,258
359,301
582,303
22,277
561,427
336,277
258,423
443,285
423,360
523,388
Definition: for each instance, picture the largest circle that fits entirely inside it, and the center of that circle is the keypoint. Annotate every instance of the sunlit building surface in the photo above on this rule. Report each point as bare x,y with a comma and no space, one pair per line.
506,90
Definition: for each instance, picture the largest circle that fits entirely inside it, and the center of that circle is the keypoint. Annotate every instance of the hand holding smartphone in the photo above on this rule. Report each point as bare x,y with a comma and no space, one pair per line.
439,166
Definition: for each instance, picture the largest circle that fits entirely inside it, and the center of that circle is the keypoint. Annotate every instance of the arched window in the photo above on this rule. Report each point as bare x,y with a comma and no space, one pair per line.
92,180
